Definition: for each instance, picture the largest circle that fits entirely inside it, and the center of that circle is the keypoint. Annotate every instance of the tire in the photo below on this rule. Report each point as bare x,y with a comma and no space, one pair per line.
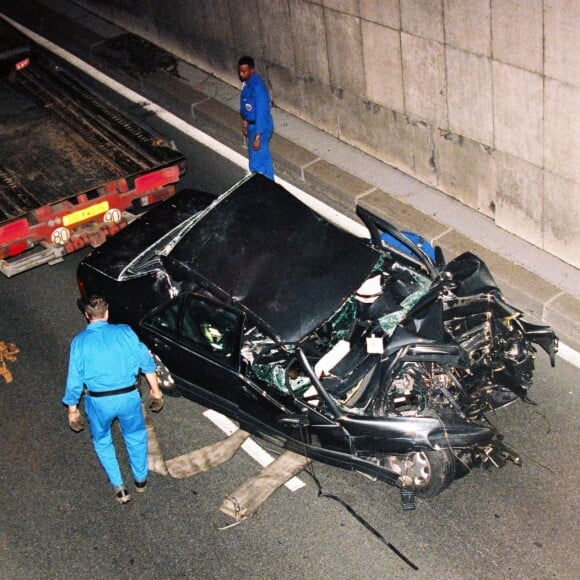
428,472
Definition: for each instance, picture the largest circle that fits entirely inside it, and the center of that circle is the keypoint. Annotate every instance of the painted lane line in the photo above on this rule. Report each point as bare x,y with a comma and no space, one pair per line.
257,453
567,353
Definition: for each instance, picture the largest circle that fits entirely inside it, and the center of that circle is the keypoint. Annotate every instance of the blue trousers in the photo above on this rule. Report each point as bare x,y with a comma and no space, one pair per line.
101,412
261,160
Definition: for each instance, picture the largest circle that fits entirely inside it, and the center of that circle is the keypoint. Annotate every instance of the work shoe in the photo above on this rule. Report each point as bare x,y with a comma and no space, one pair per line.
122,495
140,486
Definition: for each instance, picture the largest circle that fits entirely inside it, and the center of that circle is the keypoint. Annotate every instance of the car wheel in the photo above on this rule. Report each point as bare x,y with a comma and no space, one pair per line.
428,472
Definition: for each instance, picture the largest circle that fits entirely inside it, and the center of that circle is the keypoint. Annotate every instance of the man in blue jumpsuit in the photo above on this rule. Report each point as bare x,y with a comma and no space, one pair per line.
104,362
257,122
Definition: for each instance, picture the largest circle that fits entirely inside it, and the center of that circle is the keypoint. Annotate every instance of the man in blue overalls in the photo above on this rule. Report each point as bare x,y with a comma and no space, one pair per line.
257,122
105,359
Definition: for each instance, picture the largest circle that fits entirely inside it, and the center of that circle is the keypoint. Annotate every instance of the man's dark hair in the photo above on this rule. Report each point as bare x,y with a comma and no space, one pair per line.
247,60
96,307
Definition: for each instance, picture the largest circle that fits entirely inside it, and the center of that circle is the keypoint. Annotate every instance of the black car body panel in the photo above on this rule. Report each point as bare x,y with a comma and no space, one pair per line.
267,252
123,251
344,349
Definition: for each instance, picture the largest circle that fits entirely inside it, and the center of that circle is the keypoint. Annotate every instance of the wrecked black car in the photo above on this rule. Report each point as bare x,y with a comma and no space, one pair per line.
365,355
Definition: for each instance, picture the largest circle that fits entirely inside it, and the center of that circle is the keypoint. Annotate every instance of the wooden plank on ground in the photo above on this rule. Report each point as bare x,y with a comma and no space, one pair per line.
207,457
246,500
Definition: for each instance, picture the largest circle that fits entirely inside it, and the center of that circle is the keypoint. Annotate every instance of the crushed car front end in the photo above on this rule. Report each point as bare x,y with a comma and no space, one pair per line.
411,371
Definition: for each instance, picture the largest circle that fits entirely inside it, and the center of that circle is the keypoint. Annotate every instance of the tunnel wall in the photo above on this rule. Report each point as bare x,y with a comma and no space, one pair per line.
478,98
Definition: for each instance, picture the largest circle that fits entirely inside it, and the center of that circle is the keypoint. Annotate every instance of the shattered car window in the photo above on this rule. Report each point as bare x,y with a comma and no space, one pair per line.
270,364
282,378
341,323
413,283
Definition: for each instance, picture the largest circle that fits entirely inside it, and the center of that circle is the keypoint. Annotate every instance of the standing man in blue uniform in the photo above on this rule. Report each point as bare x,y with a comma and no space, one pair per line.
106,359
257,122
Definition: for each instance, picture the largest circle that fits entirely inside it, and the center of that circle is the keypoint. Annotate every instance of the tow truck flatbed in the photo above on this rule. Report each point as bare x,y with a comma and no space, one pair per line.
71,164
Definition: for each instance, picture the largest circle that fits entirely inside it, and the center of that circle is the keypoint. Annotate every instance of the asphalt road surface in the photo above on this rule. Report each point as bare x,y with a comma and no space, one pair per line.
58,518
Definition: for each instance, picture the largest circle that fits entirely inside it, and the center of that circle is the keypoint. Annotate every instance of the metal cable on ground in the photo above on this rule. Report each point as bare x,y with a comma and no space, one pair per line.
547,432
310,470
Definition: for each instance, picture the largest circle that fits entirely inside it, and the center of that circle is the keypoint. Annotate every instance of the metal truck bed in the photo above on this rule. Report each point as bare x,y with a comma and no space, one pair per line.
58,140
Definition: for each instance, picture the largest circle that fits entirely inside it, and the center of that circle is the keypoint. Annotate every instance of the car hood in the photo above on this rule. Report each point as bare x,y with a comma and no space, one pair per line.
265,251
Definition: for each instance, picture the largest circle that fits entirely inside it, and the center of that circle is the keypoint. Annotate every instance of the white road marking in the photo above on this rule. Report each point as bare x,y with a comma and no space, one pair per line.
566,353
257,453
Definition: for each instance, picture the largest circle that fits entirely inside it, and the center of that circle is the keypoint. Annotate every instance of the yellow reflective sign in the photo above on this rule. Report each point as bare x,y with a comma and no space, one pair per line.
85,214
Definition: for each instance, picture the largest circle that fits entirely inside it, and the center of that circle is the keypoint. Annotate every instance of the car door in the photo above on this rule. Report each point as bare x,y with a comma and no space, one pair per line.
198,339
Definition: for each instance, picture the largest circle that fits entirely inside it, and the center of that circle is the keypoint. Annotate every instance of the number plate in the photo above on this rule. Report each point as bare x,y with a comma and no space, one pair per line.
85,214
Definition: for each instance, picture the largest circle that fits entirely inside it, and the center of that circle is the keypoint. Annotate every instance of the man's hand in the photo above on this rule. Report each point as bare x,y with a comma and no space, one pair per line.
155,395
75,420
257,142
156,403
245,128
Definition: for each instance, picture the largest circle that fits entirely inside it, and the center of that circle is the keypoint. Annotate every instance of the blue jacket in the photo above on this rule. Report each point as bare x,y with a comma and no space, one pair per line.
255,105
105,357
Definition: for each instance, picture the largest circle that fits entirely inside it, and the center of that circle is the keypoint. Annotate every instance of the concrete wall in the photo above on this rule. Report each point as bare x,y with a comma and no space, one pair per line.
479,98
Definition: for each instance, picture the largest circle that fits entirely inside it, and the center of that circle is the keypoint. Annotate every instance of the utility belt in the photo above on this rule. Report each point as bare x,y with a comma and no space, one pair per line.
121,391
251,122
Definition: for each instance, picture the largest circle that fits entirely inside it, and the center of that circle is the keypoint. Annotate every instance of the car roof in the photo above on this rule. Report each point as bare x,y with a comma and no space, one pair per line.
263,250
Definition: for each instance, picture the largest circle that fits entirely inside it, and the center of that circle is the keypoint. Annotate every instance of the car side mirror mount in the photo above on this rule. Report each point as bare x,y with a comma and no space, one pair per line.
439,258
